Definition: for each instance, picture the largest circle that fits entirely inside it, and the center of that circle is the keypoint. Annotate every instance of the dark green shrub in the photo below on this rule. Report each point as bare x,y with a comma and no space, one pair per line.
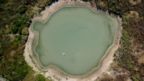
40,77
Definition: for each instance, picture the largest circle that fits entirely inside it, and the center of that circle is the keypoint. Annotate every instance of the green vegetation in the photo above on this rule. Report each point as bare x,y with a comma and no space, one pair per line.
136,77
40,77
19,23
15,18
125,59
31,76
12,64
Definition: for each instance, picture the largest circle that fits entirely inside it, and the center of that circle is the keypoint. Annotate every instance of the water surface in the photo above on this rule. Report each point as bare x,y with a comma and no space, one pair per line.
75,39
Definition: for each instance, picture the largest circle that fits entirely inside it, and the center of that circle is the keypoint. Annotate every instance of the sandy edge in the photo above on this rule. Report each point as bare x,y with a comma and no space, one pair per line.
55,73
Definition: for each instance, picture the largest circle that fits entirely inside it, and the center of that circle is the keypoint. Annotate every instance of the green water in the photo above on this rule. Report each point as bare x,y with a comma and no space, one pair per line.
75,39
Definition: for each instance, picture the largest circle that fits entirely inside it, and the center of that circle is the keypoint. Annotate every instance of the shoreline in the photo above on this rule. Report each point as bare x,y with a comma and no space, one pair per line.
54,72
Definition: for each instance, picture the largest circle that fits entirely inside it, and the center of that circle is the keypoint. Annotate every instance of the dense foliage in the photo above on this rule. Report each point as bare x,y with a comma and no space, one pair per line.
15,18
40,77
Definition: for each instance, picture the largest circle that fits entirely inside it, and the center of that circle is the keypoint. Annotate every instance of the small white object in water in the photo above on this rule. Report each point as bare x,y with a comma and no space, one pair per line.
63,53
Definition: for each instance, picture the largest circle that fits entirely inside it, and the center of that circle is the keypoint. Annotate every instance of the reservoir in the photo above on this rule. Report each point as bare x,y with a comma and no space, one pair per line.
74,39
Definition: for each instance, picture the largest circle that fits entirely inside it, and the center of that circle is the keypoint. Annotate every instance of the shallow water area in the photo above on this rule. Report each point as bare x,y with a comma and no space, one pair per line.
74,39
